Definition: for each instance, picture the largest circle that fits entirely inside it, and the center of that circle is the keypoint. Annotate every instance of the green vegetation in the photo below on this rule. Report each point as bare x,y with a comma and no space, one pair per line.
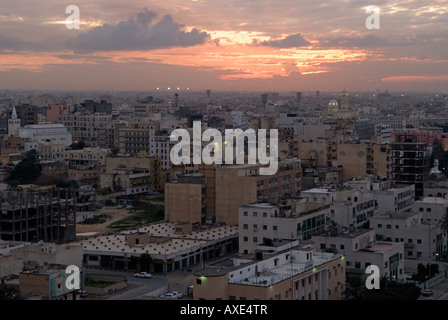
142,212
99,284
424,272
27,170
389,290
97,219
10,293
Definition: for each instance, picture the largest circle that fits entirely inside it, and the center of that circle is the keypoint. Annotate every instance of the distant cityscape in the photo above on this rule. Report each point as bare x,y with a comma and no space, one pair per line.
87,180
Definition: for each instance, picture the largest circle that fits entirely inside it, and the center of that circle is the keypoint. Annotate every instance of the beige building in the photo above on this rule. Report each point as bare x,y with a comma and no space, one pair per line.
228,187
85,165
133,175
134,137
47,282
281,271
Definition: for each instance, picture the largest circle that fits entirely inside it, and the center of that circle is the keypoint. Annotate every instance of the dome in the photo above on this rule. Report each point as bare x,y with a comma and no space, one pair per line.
333,106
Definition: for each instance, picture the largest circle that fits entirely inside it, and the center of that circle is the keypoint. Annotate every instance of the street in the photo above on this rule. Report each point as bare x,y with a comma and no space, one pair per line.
138,286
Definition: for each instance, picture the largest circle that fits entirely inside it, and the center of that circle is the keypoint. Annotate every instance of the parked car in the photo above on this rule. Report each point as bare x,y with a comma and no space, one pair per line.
129,207
169,295
143,275
83,294
120,206
177,294
427,292
409,276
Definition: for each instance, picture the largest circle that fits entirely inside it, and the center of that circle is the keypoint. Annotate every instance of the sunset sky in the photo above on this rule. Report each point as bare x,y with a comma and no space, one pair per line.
224,45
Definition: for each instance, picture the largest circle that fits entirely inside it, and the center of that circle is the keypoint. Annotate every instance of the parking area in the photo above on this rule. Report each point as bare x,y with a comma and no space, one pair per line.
439,290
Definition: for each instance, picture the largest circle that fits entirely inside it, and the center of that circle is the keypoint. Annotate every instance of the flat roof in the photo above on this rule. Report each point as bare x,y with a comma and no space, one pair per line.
433,200
165,242
396,215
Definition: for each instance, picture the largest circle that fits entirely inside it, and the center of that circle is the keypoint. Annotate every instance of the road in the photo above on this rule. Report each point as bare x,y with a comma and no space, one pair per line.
141,286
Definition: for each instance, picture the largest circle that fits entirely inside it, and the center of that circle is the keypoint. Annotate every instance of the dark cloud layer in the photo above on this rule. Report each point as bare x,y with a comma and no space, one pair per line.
142,33
291,41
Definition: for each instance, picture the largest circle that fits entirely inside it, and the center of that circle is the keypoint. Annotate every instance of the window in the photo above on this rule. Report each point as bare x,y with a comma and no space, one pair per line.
255,239
198,281
245,226
388,226
419,241
245,213
245,239
322,245
342,247
428,209
409,253
274,228
409,240
255,214
265,227
397,226
357,265
380,225
265,214
420,209
397,240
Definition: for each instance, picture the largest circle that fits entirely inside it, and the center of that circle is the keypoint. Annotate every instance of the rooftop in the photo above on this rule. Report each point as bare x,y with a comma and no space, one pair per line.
164,242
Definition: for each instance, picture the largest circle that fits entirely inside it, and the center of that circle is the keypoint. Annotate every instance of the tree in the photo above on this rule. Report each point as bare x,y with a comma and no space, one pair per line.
27,170
78,145
9,293
145,262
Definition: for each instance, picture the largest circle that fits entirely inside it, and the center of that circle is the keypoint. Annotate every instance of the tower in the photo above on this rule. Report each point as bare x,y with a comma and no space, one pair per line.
299,97
344,100
13,124
264,99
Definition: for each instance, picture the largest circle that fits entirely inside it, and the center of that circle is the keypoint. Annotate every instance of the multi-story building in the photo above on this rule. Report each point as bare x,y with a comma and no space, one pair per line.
55,133
361,249
280,270
229,186
160,146
423,240
395,198
431,208
410,162
44,214
134,138
294,219
88,127
50,151
27,114
132,175
86,164
348,207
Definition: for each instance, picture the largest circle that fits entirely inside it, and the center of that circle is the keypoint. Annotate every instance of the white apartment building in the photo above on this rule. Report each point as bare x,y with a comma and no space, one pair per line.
431,208
423,240
348,207
293,220
360,249
398,198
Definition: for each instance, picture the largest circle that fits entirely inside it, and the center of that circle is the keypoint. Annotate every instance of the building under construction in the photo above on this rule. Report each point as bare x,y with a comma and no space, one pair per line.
47,215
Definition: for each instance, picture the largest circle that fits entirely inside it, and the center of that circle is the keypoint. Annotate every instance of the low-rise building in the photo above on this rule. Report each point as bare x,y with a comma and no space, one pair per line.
282,270
422,239
293,219
360,250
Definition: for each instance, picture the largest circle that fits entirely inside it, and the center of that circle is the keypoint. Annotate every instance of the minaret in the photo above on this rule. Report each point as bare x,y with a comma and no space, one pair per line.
344,100
13,124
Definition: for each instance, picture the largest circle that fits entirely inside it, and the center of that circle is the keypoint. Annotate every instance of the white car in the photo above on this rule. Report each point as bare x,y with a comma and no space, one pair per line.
177,294
143,275
169,295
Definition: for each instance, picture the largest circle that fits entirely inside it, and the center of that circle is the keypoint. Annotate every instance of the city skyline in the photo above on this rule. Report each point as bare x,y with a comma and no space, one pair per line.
222,45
